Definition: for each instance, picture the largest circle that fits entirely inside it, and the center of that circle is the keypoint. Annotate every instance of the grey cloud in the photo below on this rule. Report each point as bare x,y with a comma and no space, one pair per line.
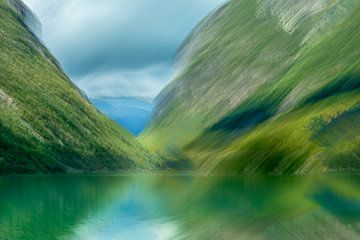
128,83
97,38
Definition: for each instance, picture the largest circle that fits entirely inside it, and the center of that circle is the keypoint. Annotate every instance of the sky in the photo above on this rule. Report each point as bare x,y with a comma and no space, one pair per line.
113,48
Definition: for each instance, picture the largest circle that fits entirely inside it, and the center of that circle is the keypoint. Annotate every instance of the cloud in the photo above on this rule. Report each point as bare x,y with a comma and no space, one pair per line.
145,82
118,37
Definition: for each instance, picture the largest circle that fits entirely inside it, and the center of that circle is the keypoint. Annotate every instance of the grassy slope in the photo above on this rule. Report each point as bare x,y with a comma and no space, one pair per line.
264,90
46,125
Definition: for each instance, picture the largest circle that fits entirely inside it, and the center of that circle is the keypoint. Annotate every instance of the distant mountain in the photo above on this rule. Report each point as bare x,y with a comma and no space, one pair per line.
270,86
28,17
131,113
46,124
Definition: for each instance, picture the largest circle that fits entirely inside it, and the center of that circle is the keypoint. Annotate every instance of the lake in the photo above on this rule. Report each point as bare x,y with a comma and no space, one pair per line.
147,207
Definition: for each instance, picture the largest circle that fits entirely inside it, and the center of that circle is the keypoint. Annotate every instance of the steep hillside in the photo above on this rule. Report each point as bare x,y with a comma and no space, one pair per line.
267,86
27,16
46,125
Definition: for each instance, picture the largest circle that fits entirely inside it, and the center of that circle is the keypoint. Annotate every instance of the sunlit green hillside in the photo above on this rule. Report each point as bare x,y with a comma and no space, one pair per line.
269,86
46,125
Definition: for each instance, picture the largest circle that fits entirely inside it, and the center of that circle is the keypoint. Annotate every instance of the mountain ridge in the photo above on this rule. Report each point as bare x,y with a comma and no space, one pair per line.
251,69
28,16
47,125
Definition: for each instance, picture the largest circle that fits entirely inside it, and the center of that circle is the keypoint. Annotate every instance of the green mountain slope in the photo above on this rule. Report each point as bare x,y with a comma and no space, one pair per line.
46,125
267,86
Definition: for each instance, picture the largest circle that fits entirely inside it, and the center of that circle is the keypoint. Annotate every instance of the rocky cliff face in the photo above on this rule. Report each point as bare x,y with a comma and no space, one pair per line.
254,79
29,18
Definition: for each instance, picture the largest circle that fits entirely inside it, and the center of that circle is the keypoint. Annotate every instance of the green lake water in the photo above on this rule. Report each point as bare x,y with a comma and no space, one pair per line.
150,207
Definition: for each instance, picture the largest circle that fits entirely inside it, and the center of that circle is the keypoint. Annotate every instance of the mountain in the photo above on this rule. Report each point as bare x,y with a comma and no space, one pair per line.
46,124
131,113
27,16
267,86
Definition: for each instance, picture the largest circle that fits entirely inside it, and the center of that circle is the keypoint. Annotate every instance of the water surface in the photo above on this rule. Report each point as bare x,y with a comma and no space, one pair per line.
179,207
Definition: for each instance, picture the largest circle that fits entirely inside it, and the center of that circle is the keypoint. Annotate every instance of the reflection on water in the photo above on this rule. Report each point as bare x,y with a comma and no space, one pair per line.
179,207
